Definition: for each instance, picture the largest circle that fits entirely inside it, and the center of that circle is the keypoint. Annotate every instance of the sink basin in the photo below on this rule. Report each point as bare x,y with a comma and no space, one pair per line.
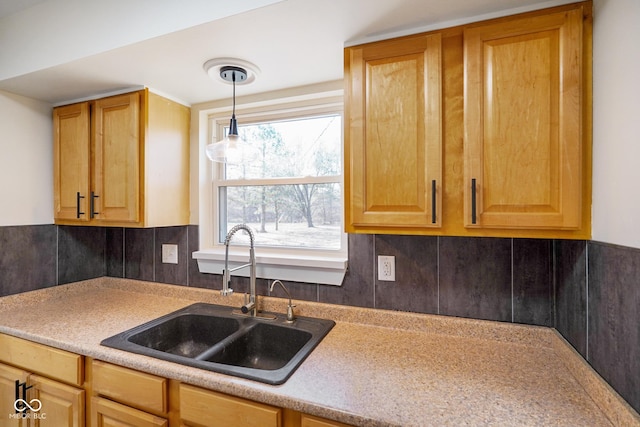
186,335
264,346
221,339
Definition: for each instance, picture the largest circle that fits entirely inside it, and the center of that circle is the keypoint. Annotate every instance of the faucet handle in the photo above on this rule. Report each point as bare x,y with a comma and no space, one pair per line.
226,282
290,316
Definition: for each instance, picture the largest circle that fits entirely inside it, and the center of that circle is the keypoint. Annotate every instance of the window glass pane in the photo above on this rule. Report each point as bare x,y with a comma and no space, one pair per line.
292,148
301,215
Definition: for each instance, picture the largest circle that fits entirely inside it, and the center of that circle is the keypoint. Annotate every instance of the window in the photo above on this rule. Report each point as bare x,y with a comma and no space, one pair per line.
291,195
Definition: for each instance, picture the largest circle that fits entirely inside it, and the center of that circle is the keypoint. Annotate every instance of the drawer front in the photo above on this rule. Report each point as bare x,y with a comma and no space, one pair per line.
106,413
201,407
144,391
310,421
51,362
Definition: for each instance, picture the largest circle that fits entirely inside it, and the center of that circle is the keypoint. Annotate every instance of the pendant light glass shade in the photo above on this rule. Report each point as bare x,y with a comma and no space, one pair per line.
232,149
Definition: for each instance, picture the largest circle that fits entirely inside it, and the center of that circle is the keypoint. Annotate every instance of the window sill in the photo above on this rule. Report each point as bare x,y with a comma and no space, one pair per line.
296,267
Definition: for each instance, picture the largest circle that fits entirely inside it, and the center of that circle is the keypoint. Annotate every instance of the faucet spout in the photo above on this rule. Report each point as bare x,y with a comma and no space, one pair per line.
250,307
290,315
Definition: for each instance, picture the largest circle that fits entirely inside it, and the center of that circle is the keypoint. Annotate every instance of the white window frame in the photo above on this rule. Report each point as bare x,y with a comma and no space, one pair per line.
291,264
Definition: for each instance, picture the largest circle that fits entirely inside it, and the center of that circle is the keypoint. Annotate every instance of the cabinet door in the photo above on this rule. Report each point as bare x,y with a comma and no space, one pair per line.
117,155
8,377
393,135
71,162
105,413
62,405
523,138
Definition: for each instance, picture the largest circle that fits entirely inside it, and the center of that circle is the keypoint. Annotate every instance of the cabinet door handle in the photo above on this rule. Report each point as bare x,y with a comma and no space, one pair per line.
78,197
473,201
433,201
93,205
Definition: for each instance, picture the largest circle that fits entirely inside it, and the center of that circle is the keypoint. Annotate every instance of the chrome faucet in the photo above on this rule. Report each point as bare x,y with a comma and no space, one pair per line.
290,316
249,306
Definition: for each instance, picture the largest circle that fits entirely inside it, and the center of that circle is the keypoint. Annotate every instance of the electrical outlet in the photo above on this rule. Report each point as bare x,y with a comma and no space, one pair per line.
169,254
386,268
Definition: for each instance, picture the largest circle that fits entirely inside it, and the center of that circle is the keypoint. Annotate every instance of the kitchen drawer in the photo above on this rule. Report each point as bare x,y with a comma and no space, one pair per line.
199,407
53,363
107,413
137,389
311,421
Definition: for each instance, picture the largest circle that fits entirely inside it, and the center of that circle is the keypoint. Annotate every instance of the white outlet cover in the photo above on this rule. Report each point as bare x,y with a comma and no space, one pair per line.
386,268
169,254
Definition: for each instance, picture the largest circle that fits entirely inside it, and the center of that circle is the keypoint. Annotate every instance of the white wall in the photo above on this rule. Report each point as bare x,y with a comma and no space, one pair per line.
616,122
26,161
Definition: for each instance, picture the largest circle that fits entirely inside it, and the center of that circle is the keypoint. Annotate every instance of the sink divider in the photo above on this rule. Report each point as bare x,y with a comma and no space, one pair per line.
220,346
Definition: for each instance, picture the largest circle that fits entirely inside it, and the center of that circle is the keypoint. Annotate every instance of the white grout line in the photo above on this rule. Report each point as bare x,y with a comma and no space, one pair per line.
512,297
554,283
375,269
438,274
57,255
124,254
154,255
586,271
187,259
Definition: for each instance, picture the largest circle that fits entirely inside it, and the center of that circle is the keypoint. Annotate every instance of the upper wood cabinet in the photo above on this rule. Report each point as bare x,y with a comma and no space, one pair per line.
72,139
393,141
122,161
523,122
502,107
117,153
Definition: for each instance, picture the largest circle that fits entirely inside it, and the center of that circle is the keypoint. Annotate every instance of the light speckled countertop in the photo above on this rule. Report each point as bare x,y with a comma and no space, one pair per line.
375,367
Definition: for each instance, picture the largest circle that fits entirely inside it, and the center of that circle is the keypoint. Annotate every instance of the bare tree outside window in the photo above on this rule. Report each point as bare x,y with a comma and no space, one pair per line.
291,194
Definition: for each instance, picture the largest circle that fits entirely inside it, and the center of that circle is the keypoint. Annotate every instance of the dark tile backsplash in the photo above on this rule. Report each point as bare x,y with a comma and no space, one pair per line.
28,258
81,253
416,285
533,297
614,317
476,278
571,292
588,291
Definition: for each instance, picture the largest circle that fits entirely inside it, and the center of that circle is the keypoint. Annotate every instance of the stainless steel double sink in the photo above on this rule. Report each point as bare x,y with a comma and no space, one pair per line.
221,339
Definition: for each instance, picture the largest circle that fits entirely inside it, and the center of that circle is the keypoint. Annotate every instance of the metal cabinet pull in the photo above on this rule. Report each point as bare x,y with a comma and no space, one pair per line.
433,201
473,201
93,205
78,197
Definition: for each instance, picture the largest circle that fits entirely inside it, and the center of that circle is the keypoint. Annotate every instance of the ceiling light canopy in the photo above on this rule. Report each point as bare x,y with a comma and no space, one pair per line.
231,149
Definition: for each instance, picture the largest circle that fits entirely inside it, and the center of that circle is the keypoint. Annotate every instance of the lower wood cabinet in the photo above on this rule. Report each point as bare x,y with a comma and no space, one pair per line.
63,405
126,397
105,413
49,380
311,421
74,391
133,388
200,407
8,376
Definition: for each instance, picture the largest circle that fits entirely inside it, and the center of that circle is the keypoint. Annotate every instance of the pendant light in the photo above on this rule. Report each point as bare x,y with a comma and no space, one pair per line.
232,149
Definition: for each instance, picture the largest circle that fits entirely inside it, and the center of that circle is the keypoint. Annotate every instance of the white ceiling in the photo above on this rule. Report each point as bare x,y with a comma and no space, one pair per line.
293,42
9,7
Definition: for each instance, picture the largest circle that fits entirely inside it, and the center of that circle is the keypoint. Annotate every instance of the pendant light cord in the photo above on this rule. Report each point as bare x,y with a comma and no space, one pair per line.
233,79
